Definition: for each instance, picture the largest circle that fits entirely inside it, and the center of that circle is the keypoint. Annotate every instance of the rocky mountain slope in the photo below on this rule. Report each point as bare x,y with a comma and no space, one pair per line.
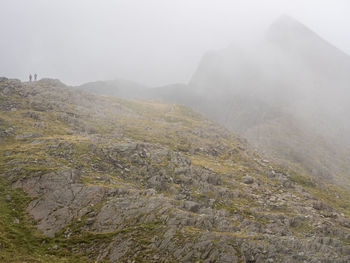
287,94
88,178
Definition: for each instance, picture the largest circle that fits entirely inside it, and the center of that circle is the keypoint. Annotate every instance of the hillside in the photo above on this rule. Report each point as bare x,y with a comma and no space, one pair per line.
287,94
88,178
117,87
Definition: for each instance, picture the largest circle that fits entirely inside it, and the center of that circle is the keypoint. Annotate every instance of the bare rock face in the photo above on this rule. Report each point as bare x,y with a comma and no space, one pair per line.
61,198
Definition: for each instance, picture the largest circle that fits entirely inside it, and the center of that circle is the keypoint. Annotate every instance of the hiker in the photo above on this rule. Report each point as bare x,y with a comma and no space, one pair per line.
35,76
30,78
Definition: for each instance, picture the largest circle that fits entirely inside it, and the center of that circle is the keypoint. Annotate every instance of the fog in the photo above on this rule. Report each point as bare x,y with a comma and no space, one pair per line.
153,42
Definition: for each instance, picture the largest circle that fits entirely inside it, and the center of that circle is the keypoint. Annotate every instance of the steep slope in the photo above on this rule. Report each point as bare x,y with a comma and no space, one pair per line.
287,95
112,180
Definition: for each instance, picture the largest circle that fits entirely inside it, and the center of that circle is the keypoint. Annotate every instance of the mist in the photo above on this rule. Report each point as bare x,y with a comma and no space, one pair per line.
154,42
175,131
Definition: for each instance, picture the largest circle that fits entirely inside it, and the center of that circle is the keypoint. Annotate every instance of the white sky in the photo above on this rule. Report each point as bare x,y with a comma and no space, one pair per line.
154,42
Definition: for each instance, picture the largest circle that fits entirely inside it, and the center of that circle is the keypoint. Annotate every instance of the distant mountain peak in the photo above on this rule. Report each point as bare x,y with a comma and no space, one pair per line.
287,20
289,33
287,26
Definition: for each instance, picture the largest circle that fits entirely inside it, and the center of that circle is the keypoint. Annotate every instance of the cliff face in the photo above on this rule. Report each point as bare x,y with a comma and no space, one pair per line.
95,178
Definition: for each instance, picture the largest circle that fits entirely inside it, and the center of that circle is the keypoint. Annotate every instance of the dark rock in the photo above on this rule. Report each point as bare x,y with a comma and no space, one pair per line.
247,179
191,206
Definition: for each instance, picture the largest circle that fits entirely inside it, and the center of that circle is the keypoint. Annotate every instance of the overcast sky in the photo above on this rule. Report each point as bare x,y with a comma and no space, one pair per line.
154,42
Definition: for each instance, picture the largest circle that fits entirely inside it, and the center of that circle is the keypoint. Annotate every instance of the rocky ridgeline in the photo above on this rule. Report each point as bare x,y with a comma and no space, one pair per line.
139,181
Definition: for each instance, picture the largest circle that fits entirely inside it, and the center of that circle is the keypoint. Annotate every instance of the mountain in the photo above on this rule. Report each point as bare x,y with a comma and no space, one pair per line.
90,178
117,87
287,94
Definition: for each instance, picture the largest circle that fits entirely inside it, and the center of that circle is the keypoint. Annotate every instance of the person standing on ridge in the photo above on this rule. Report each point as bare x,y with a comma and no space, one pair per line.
30,77
35,76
